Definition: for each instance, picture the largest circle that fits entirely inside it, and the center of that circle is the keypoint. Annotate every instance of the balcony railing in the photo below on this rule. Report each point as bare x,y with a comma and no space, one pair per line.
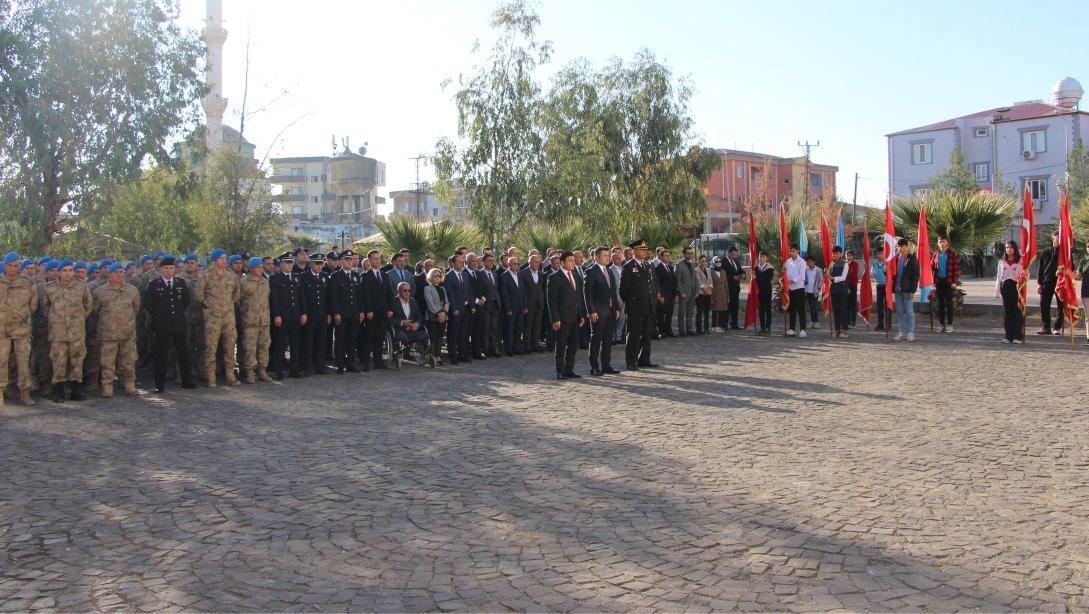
287,179
290,198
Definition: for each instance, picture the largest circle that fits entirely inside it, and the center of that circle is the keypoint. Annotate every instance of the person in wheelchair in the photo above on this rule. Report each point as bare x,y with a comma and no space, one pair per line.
408,325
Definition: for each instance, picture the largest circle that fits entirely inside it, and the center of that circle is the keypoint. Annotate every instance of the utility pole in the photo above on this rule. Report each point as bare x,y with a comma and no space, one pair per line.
854,203
808,165
418,159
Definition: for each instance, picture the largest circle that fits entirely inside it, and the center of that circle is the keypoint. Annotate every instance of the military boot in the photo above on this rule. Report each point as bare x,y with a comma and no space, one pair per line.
57,394
262,374
232,380
74,392
107,391
130,389
24,396
247,376
211,379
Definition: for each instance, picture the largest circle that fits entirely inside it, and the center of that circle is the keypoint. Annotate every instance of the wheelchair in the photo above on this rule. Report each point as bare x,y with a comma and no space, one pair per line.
394,352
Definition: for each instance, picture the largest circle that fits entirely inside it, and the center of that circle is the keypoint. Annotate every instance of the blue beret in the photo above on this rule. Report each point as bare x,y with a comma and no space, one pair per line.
44,259
52,264
233,258
11,257
94,266
79,265
105,262
64,263
145,258
158,254
130,265
166,255
25,263
191,256
117,266
255,261
216,253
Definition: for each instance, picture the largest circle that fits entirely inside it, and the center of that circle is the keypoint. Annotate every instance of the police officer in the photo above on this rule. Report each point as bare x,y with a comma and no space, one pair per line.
116,305
332,265
637,292
288,309
256,323
217,291
345,306
68,303
166,301
18,302
315,294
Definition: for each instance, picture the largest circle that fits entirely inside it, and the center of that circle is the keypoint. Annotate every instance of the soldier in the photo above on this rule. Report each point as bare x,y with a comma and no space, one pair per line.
316,297
255,323
637,292
18,302
165,301
116,306
143,338
194,318
67,305
39,338
288,308
92,363
217,291
345,305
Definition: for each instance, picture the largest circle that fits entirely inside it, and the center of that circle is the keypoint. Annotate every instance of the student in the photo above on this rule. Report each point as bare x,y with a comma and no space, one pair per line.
765,273
1005,285
814,286
795,271
904,287
839,272
946,267
852,288
877,268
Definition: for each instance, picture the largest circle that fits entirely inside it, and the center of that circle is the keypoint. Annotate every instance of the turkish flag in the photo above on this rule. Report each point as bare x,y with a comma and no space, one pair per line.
1065,287
784,256
890,258
865,293
1028,246
753,302
826,250
926,266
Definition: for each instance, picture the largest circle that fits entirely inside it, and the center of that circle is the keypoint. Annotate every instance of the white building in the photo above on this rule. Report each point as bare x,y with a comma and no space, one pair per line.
334,198
1025,144
422,205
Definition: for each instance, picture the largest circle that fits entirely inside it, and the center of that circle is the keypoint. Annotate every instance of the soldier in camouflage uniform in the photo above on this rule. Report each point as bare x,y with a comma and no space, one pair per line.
256,323
67,305
143,333
92,363
18,302
217,292
40,363
116,306
194,319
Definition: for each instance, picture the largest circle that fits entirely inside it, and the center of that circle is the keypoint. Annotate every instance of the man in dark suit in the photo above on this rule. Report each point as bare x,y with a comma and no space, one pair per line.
408,323
376,300
603,304
1046,279
456,283
513,300
667,287
637,292
287,306
316,296
567,310
734,274
398,273
486,328
345,305
165,300
532,282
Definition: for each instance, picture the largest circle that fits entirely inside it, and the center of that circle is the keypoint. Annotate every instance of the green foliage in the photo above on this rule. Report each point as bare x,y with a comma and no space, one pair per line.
88,90
153,212
767,229
541,236
310,243
664,234
956,178
421,237
971,221
404,232
235,209
1077,168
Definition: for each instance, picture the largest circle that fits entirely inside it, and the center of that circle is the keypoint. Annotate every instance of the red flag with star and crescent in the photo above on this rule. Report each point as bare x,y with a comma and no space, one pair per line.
890,257
753,301
865,293
1028,247
784,256
826,253
1065,287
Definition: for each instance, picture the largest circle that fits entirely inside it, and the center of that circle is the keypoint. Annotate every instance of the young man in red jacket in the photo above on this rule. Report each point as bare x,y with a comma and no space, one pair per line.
946,267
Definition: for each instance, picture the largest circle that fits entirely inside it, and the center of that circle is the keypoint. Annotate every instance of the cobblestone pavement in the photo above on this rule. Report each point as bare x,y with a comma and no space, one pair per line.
753,474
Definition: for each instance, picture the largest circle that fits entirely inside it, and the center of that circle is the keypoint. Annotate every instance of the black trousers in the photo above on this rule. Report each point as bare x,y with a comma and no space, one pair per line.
435,332
567,343
735,298
703,313
879,302
1012,318
312,342
797,308
457,336
665,317
283,337
373,332
1046,294
944,291
346,341
814,307
601,340
840,319
852,306
765,310
513,331
640,332
532,330
485,331
160,356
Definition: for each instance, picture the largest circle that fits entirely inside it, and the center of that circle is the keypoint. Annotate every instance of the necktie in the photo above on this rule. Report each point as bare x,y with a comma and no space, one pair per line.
571,279
608,282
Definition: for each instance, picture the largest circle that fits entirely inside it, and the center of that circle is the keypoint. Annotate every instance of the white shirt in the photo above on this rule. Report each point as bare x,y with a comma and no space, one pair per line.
795,270
514,277
536,278
608,276
404,305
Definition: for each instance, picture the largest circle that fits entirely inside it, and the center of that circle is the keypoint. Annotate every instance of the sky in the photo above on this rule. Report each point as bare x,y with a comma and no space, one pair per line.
766,74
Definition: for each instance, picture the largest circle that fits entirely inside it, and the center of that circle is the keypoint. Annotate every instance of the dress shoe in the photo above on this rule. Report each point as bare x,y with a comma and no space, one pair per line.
321,371
189,385
340,370
380,365
632,367
649,365
158,390
572,375
495,355
561,376
353,370
610,371
596,372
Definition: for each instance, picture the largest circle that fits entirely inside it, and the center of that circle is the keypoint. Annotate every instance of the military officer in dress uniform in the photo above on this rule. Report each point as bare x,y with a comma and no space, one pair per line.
288,308
637,292
316,294
166,301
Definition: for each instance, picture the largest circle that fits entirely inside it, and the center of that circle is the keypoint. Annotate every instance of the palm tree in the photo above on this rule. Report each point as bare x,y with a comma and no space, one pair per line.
445,236
664,234
419,238
971,220
402,232
541,236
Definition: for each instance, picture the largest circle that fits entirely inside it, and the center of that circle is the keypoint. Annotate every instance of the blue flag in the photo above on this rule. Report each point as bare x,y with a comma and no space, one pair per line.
803,240
841,240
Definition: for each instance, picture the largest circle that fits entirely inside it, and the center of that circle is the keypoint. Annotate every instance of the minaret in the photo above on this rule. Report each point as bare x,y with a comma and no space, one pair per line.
214,103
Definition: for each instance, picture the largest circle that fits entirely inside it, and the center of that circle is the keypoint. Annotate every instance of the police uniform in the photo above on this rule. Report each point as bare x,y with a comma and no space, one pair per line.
345,305
316,296
637,292
287,303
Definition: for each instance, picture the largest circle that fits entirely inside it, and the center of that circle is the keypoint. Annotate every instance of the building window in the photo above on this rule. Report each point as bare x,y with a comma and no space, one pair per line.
922,153
740,171
315,178
296,210
981,131
313,199
435,212
816,181
1037,187
1034,141
919,191
756,176
296,191
982,171
296,171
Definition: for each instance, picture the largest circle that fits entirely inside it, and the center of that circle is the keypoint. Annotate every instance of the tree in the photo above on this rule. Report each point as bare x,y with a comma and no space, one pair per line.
956,178
1077,169
88,90
972,221
297,239
235,210
497,117
154,212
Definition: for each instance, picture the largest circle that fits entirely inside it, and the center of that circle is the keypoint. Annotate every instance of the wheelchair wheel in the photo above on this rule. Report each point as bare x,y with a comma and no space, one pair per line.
389,351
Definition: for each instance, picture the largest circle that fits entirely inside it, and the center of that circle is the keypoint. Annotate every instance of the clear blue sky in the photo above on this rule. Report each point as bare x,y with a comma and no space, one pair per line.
766,74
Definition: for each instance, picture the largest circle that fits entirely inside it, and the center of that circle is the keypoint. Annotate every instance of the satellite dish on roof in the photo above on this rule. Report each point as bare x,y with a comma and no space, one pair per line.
363,150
